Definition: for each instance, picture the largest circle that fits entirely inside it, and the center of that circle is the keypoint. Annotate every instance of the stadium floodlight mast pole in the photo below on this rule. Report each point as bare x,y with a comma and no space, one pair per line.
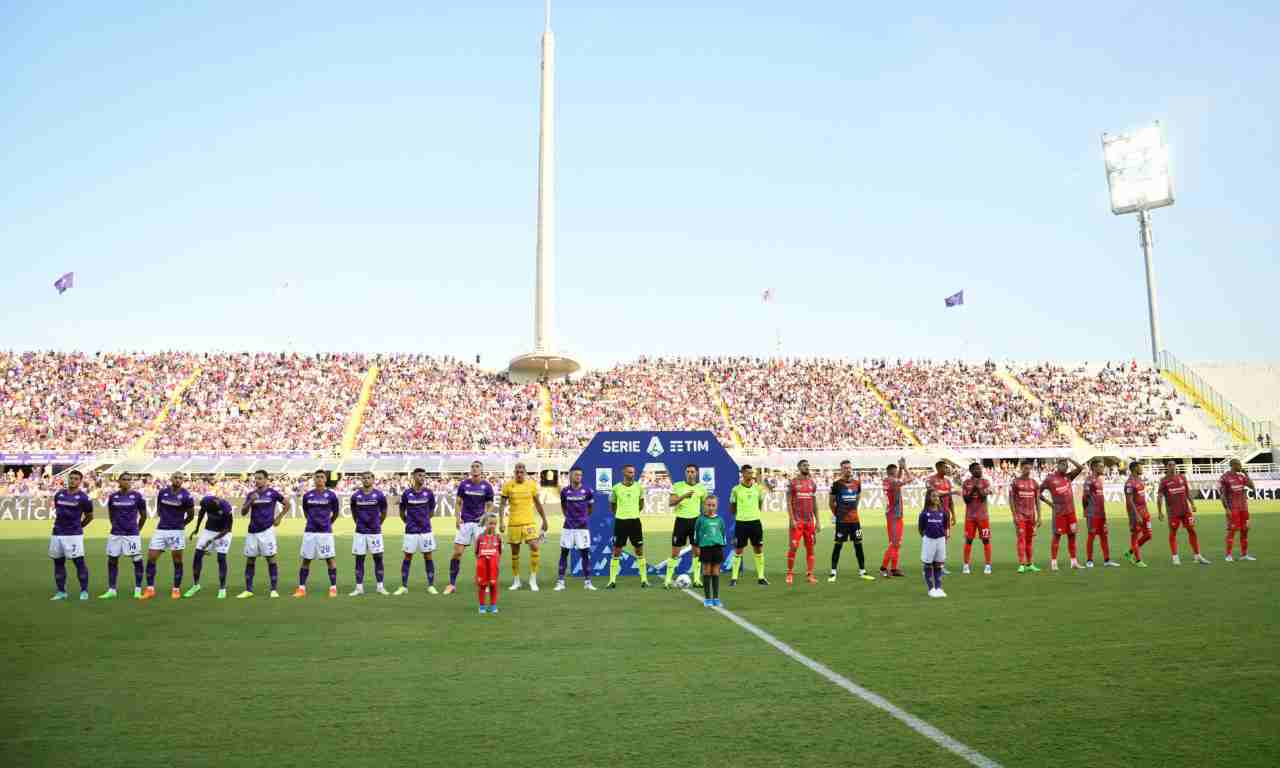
545,361
1138,177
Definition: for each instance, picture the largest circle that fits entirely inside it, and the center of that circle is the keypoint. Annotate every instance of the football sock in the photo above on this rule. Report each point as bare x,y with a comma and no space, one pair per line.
1071,545
564,563
151,573
672,564
515,564
454,566
1173,541
273,571
759,565
404,571
222,571
791,561
137,572
968,550
1088,546
643,566
1053,547
715,586
82,573
584,562
196,567
835,555
808,561
1244,543
431,571
706,587
937,574
60,573
735,567
333,577
1144,536
1106,546
380,569
1194,539
535,558
862,559
303,574
613,569
248,576
480,590
359,570
928,576
493,591
884,561
113,568
986,551
177,575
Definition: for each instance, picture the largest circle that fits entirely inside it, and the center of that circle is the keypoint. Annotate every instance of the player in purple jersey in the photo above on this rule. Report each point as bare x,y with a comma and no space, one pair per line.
417,505
321,508
369,508
475,496
260,506
72,511
127,511
175,509
576,500
216,515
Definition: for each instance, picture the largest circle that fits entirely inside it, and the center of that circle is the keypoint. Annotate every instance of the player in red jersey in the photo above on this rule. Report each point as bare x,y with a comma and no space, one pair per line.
1234,488
488,558
940,482
1095,514
895,476
1175,493
1024,500
803,516
1135,503
975,491
1062,499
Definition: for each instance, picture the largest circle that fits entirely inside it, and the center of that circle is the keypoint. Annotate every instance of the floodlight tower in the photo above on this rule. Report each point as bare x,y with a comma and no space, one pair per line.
545,360
1138,176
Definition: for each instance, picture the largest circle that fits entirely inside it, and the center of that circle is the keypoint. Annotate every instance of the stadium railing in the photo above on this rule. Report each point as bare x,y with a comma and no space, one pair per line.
1245,429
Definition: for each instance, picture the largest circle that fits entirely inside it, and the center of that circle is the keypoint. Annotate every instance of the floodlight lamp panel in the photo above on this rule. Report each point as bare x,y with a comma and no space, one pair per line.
1137,167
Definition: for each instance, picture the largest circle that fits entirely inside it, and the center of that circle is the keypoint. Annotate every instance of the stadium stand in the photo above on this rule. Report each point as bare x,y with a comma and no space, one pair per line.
1253,388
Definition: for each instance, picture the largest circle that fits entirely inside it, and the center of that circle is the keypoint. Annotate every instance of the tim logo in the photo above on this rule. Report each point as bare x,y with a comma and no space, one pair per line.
655,447
604,478
707,476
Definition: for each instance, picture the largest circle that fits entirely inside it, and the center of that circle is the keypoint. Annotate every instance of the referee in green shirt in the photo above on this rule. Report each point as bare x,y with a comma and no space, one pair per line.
686,499
627,502
745,501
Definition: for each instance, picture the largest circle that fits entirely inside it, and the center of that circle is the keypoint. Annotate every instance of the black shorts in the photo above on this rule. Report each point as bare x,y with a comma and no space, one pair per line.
627,530
748,530
713,554
683,532
848,532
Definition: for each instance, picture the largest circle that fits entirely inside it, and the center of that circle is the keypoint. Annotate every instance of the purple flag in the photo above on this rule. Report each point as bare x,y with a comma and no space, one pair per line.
65,282
955,299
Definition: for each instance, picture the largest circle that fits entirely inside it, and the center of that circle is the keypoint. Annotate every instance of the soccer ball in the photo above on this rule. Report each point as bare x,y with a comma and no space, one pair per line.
683,581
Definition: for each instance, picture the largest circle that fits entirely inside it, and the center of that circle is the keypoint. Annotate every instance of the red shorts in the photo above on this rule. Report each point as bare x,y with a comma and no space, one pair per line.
979,528
486,570
893,526
1189,521
802,530
1097,525
1064,524
1238,521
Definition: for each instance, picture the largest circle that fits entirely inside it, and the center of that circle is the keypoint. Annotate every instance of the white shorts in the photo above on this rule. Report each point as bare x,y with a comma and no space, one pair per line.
222,546
467,534
366,544
317,546
124,546
420,542
575,538
175,541
261,543
933,550
66,546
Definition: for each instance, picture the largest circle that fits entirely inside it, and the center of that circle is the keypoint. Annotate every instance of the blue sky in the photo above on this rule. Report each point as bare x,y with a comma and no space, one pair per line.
336,176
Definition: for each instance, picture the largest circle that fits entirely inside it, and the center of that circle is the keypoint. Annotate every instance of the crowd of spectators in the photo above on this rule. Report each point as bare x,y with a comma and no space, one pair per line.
961,404
76,401
647,393
440,403
813,403
1120,403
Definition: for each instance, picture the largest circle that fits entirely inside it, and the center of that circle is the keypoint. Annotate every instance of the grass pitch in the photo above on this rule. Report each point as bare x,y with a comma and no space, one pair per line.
1164,666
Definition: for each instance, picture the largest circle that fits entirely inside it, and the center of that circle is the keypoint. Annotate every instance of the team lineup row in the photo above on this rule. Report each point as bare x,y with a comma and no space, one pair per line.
698,526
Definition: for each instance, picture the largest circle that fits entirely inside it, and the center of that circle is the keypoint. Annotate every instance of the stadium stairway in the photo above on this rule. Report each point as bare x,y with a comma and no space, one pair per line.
546,422
713,391
140,445
1079,446
356,418
889,411
1228,426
